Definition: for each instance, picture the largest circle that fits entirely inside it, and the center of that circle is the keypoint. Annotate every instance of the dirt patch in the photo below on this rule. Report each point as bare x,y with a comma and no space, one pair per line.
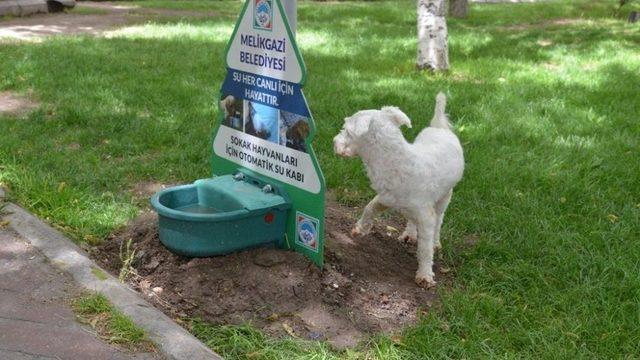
365,288
106,17
109,7
14,104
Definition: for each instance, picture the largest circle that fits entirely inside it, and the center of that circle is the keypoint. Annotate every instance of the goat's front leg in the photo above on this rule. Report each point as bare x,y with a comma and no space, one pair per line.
410,234
425,221
364,225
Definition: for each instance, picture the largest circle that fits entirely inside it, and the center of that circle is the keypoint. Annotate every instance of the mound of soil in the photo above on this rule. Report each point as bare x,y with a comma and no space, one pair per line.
366,286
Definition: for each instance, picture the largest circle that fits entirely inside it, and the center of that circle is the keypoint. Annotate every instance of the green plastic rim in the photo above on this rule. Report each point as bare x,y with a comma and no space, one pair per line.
163,210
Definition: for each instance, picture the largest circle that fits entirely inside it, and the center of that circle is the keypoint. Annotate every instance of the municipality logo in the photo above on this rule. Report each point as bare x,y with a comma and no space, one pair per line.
263,14
307,231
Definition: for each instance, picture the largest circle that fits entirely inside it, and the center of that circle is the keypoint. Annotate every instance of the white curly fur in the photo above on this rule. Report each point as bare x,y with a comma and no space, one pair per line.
417,179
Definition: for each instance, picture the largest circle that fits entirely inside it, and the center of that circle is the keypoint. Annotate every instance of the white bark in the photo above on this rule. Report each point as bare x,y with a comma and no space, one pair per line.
433,52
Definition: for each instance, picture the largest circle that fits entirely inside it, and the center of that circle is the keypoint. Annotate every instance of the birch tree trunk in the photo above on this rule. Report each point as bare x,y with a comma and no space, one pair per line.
459,8
433,53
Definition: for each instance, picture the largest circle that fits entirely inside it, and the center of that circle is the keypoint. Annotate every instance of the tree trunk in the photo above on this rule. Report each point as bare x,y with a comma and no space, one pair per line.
433,53
459,8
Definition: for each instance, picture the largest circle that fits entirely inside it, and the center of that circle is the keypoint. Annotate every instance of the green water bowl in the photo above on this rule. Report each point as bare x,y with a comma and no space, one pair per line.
221,215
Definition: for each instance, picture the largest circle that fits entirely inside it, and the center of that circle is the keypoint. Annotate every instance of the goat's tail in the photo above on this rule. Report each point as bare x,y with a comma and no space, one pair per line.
440,118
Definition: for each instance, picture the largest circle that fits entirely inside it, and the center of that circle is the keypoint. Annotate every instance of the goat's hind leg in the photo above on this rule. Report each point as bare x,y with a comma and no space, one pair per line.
425,221
441,207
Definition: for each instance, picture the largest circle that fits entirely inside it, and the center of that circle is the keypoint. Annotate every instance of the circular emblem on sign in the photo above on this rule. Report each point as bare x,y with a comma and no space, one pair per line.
263,14
307,233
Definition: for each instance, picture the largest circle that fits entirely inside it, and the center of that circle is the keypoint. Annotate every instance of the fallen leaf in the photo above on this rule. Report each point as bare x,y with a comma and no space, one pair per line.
544,42
4,223
612,218
445,270
392,229
396,339
61,186
273,317
94,322
288,329
563,199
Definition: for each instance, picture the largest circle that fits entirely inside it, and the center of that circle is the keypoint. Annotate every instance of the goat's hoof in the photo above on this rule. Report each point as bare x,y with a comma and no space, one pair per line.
425,282
408,238
358,231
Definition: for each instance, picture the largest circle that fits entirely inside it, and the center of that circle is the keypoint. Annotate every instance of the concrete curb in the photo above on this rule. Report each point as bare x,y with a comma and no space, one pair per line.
173,341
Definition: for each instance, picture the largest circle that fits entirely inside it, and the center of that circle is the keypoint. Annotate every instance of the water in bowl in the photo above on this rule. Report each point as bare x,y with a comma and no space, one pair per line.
198,209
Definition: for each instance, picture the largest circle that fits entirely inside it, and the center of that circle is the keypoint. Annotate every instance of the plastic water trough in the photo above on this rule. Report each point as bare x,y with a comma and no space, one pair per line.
221,215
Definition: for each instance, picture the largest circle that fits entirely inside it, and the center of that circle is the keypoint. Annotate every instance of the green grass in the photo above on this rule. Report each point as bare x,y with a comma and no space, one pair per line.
245,342
543,96
232,342
110,323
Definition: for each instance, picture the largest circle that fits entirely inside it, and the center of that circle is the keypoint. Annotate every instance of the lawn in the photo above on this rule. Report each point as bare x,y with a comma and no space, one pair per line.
542,233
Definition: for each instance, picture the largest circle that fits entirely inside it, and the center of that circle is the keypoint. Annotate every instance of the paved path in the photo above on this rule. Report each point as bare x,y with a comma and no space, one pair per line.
36,320
107,16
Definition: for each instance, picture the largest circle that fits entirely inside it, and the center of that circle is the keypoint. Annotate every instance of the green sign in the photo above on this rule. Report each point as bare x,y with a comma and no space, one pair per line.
265,125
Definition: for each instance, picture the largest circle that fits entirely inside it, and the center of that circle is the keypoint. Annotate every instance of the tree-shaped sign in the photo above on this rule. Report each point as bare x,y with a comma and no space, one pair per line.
265,125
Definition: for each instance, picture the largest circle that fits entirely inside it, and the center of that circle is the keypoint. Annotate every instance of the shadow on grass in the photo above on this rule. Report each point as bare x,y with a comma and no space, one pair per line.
112,121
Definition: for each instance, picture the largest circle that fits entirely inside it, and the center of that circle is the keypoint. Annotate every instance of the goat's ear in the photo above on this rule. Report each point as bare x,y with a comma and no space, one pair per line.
358,125
396,115
378,124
